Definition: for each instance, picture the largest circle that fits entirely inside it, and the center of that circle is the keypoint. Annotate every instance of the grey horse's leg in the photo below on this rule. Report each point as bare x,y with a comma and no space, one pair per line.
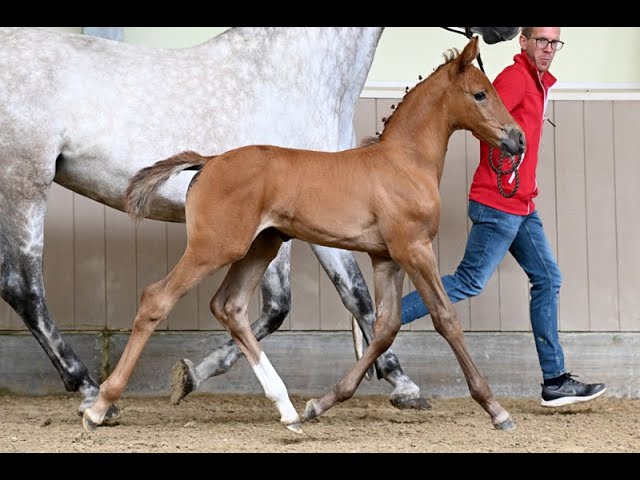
22,283
343,270
276,298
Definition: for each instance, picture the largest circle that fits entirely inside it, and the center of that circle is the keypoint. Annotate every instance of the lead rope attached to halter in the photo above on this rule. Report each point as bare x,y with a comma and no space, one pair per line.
515,163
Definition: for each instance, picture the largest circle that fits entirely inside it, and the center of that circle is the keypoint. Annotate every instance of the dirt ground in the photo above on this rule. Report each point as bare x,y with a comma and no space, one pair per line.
236,423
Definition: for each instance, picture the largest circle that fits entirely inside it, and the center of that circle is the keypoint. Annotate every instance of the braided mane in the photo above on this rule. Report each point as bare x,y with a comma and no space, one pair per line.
449,55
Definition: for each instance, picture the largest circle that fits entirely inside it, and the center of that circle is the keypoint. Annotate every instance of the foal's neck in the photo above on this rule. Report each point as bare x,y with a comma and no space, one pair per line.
421,126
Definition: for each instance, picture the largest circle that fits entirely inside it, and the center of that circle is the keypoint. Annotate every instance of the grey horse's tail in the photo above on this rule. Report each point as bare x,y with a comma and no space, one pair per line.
144,184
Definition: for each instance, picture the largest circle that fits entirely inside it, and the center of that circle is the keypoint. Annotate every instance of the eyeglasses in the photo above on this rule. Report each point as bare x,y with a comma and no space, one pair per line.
543,43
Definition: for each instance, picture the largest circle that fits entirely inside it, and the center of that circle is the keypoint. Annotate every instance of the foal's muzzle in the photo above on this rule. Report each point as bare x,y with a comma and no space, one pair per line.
514,142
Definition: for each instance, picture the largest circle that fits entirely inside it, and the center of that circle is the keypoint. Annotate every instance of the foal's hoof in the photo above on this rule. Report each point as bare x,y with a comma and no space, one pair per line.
294,427
112,415
88,424
410,401
110,418
506,426
309,411
182,382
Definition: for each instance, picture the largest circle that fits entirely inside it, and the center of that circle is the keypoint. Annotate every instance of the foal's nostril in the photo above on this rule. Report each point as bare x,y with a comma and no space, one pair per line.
521,141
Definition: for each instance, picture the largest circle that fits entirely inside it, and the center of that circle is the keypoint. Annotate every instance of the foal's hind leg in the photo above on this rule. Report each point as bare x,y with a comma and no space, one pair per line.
230,305
276,300
156,303
22,212
343,270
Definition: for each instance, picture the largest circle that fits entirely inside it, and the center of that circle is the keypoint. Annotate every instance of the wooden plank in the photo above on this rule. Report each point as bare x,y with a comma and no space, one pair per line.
185,314
453,219
151,256
572,228
626,118
364,119
58,257
601,223
89,264
384,110
205,292
5,315
305,285
121,281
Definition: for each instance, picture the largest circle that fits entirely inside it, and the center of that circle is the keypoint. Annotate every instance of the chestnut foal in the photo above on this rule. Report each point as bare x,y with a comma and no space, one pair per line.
382,199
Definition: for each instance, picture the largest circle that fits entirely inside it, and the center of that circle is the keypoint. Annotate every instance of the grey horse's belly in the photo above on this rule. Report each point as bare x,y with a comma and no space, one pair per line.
107,181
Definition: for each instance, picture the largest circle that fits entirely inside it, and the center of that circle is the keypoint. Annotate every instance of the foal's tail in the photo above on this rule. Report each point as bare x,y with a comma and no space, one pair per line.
144,184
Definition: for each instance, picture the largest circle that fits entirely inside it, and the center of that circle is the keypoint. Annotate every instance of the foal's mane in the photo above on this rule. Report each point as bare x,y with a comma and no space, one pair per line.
449,55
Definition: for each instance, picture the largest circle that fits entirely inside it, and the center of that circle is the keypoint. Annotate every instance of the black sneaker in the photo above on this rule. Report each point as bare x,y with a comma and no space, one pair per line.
570,391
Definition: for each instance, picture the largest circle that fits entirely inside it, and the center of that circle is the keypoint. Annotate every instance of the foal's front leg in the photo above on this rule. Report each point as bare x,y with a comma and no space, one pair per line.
343,270
388,278
230,307
421,266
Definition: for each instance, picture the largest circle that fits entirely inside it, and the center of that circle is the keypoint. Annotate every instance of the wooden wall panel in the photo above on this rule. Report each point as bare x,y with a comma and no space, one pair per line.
96,261
601,219
58,259
571,210
89,264
121,275
626,122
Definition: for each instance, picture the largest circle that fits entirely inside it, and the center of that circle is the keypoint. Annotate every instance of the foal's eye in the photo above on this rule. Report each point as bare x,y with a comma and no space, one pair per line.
480,96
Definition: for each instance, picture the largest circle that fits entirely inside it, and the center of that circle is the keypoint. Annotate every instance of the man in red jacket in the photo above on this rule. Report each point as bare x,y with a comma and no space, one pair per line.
504,218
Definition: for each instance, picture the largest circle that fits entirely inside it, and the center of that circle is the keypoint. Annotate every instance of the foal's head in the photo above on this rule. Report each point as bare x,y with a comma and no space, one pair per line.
473,103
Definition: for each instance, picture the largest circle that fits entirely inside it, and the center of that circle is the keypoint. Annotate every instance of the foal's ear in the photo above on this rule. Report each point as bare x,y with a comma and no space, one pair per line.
469,54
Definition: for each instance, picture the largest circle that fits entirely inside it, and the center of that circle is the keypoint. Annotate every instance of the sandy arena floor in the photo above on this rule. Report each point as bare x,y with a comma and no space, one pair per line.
235,423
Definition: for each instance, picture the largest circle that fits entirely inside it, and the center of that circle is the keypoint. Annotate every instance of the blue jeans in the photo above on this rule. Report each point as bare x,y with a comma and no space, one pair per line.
492,234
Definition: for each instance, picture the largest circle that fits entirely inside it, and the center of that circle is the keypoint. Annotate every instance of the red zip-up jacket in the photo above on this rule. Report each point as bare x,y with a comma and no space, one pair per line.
525,96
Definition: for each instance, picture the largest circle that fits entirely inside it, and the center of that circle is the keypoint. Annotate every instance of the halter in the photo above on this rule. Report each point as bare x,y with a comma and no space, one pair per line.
515,163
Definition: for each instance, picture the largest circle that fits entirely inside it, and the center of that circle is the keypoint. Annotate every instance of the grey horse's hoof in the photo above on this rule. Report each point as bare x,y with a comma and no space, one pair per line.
182,382
410,402
506,426
309,411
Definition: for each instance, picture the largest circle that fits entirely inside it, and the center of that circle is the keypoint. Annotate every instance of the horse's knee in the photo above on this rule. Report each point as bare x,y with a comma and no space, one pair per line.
25,295
384,335
446,325
154,307
228,310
